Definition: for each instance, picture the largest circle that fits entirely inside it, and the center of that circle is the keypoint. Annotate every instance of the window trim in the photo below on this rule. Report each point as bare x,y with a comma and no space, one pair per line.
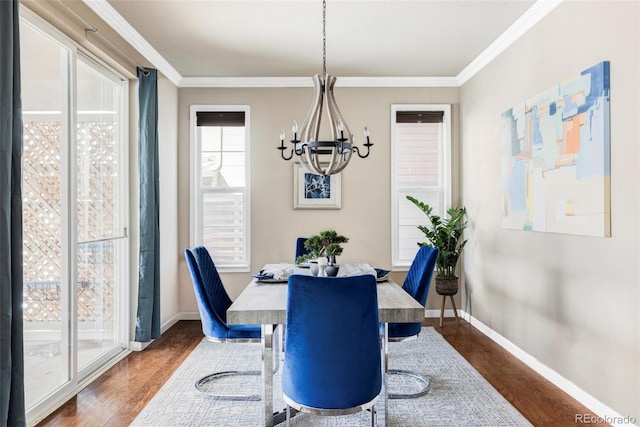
195,222
445,177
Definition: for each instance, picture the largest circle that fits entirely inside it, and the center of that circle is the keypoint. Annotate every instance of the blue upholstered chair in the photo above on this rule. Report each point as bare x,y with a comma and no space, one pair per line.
213,302
300,249
332,362
417,284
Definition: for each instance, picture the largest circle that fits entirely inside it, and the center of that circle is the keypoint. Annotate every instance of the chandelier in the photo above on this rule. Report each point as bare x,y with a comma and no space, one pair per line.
323,157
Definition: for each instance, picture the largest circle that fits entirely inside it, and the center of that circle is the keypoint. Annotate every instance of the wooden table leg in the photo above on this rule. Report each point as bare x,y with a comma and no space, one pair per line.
453,304
444,299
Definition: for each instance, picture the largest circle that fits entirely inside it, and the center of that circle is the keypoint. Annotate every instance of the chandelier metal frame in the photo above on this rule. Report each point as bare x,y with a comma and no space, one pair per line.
316,156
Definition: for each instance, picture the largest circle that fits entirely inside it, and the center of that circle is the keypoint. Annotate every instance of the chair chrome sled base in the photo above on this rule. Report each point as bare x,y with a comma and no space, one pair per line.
238,397
204,380
292,412
426,385
247,398
293,408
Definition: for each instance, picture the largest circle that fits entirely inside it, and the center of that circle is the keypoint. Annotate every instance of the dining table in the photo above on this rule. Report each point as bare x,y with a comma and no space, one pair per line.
265,303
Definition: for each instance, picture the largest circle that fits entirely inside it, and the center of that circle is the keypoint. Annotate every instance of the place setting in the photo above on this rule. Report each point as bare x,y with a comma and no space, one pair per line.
274,273
279,273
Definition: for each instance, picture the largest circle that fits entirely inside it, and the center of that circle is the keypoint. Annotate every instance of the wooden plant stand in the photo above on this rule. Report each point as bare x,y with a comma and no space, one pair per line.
447,287
453,304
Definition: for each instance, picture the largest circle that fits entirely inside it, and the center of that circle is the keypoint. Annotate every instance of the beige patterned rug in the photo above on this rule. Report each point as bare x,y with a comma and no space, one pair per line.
459,396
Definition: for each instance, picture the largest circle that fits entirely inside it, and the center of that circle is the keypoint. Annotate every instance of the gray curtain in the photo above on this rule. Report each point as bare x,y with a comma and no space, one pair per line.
12,410
148,317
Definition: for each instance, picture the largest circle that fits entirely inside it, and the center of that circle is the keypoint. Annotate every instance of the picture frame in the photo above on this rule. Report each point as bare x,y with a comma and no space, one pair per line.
311,191
556,151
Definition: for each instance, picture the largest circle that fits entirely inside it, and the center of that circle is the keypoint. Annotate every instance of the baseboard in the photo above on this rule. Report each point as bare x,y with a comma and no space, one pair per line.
139,346
603,411
191,315
436,313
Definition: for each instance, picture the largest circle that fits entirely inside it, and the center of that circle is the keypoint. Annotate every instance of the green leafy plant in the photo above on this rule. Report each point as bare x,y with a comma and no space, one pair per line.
444,234
326,243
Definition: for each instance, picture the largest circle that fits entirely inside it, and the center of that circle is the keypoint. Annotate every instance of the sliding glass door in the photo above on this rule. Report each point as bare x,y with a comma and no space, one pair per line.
45,189
101,226
75,215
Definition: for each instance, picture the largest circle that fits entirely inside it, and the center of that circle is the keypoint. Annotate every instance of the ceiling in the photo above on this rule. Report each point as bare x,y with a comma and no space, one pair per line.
277,39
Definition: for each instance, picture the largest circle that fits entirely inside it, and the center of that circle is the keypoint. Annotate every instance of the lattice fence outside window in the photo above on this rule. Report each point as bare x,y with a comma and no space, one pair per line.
42,221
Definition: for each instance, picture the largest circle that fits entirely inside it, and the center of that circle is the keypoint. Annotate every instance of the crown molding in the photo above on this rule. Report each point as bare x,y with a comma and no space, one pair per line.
109,15
396,82
242,82
530,18
268,82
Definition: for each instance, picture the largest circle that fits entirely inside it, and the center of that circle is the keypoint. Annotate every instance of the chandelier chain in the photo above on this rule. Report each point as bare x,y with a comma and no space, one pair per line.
323,157
324,39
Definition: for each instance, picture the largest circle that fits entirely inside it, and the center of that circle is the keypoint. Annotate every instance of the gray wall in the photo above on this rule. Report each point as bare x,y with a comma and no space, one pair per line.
365,216
571,302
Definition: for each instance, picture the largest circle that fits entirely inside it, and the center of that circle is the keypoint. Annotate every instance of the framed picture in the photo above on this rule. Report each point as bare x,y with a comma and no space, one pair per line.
311,191
556,167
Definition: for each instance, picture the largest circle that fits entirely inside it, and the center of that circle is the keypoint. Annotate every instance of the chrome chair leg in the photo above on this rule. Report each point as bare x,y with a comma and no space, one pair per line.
374,416
237,397
288,415
426,384
207,379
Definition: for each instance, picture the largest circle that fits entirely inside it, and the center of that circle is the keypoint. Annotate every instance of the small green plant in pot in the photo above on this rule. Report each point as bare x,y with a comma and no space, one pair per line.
324,244
446,235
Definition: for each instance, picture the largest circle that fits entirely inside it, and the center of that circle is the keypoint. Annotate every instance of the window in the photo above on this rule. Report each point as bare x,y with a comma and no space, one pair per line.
420,167
219,191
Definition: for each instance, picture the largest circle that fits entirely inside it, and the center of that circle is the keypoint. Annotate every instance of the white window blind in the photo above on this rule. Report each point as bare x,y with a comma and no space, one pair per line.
420,168
221,214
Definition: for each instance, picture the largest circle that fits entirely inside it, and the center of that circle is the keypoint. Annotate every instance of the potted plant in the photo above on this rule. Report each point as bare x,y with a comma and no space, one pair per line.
324,244
446,235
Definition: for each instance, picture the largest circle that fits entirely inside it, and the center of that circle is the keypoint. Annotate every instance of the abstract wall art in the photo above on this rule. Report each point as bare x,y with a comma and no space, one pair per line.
556,158
311,191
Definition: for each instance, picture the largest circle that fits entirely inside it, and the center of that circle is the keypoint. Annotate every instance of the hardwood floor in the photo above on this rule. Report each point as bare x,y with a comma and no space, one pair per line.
119,395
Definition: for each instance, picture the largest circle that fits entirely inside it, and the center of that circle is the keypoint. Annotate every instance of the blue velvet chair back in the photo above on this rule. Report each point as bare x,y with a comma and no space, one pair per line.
332,349
211,296
417,284
300,249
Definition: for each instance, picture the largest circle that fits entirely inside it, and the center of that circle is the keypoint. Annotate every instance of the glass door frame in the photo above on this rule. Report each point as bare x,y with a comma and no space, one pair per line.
78,379
123,294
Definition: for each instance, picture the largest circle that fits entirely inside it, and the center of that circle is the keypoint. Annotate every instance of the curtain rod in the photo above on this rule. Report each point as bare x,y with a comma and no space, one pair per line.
94,30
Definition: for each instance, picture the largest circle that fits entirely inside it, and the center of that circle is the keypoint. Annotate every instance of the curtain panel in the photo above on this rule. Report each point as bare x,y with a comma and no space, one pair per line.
12,404
148,314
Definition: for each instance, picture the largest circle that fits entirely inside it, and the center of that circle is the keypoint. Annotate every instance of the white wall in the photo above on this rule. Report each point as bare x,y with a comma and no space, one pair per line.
168,158
571,302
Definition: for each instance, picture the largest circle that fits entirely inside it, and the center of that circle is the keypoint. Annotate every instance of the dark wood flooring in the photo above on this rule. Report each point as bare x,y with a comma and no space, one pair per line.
119,395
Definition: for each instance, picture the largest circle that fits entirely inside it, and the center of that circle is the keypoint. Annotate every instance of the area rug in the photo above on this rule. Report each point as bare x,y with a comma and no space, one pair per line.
459,395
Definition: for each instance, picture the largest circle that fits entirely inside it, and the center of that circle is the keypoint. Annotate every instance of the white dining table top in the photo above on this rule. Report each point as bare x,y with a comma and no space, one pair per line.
266,303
